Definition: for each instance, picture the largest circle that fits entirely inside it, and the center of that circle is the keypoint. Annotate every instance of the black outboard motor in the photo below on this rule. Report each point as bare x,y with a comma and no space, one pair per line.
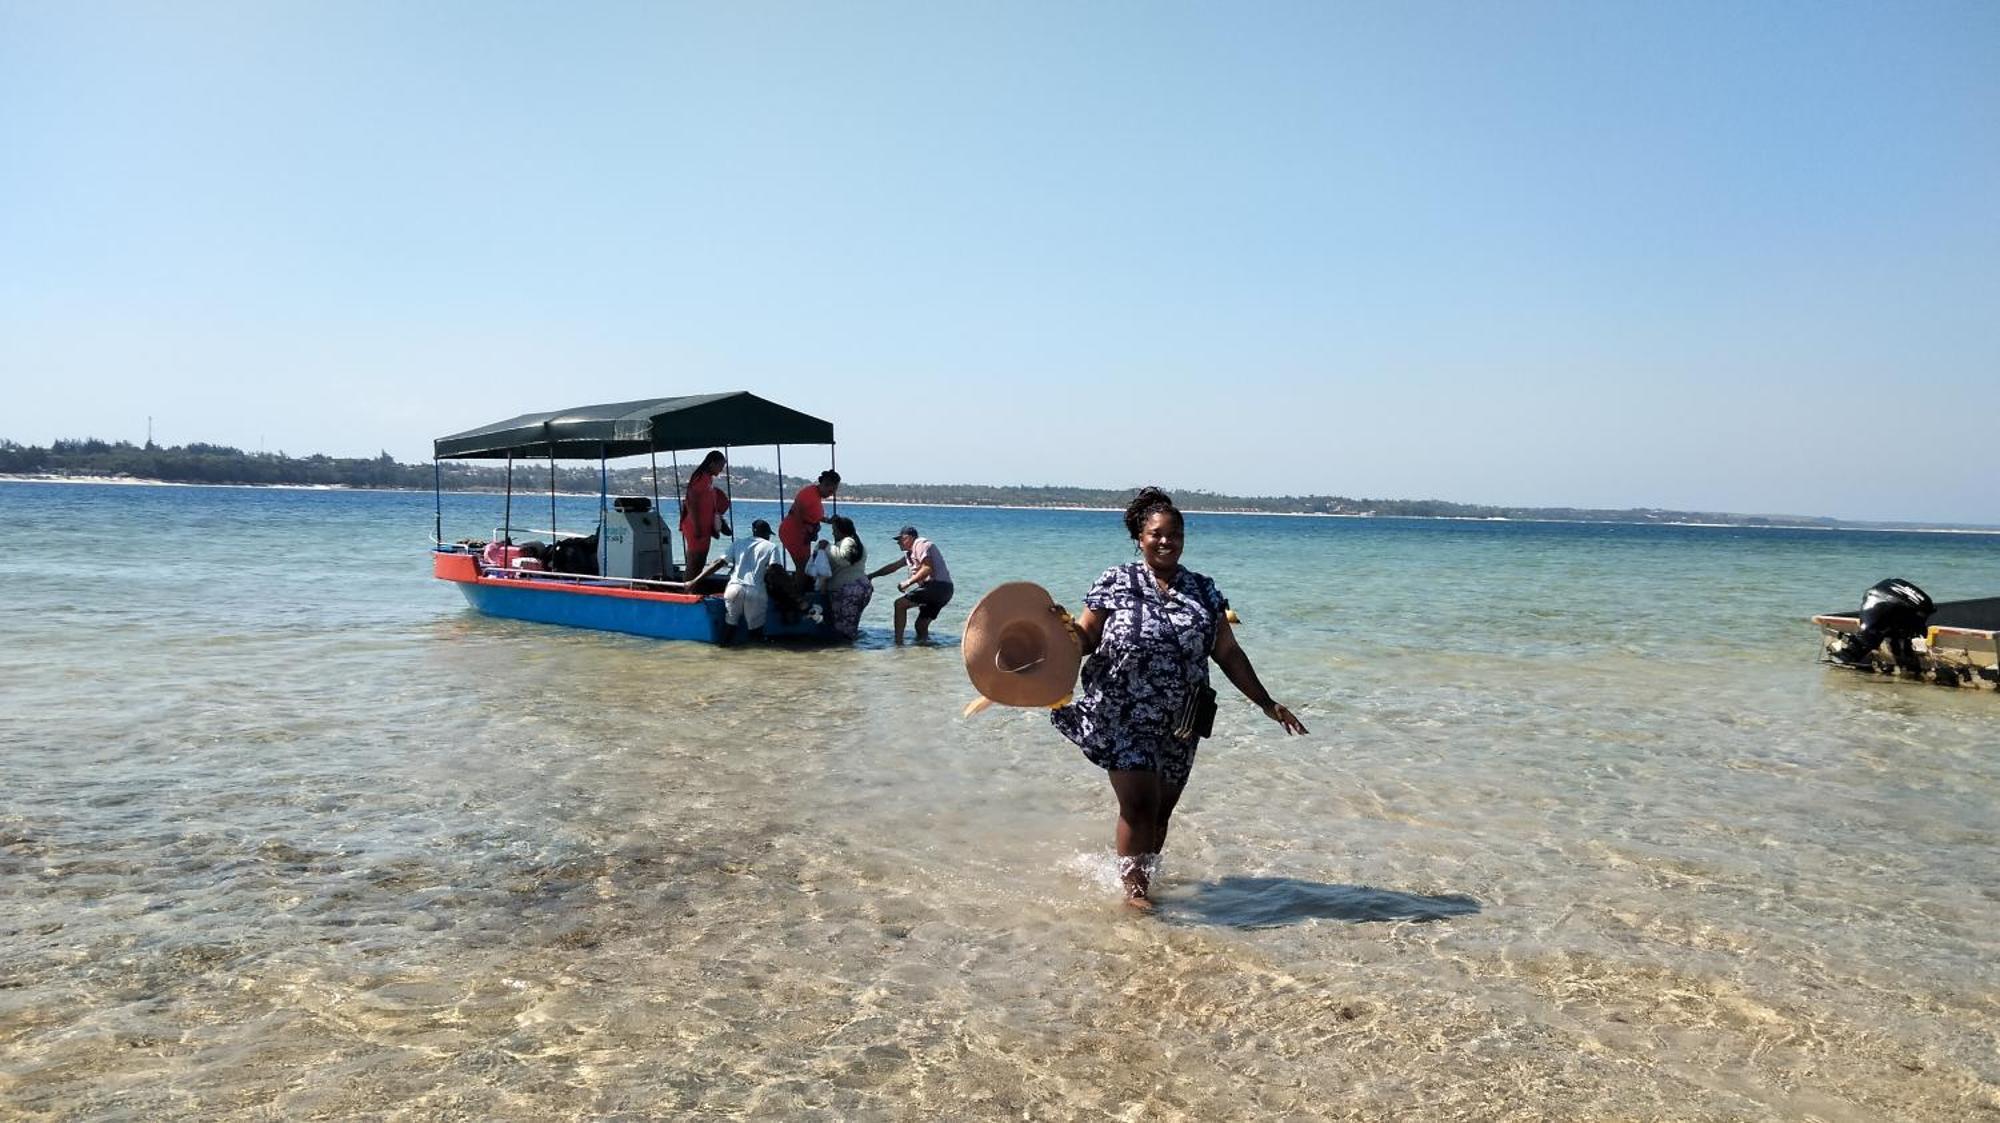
1894,610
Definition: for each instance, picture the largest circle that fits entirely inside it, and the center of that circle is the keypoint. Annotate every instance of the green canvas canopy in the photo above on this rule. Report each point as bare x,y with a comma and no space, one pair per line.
631,428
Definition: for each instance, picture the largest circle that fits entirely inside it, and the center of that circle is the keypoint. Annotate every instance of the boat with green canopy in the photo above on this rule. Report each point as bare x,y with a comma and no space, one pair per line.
621,576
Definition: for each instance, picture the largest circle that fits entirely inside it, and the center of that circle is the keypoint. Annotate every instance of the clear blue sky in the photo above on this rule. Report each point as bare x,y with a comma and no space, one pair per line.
1722,256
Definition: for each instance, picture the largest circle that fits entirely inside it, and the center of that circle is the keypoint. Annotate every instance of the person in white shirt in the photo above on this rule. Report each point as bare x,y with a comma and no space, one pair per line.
744,600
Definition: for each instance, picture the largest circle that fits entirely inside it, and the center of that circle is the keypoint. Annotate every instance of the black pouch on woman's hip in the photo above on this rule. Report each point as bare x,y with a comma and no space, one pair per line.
1196,716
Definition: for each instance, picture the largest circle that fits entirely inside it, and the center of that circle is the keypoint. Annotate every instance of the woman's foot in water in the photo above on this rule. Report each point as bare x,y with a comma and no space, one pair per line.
1136,872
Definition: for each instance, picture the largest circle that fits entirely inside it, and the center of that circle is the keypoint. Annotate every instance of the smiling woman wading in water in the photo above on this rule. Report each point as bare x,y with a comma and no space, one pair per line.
1150,627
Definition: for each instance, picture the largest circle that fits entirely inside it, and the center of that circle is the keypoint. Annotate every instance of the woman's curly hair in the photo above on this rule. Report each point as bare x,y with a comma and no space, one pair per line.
1149,502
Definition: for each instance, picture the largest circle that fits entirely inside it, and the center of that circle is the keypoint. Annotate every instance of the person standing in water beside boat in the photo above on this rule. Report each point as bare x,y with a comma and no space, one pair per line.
849,589
702,511
801,524
1150,628
745,600
928,587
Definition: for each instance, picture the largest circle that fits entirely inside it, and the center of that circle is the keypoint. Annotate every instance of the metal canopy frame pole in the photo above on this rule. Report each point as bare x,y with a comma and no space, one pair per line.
729,489
437,491
507,511
666,539
784,556
555,532
679,501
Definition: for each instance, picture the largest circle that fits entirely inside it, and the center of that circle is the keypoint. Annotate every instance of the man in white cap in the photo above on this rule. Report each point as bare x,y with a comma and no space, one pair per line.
928,587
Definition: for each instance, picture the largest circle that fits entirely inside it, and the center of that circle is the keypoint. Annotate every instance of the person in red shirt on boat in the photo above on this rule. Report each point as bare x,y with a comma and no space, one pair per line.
801,523
702,512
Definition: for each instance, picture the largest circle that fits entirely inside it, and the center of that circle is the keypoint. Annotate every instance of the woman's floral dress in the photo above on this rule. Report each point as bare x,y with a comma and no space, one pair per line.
1153,653
847,600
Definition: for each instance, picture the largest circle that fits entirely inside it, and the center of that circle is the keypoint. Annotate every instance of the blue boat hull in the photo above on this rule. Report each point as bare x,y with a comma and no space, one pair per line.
575,608
608,608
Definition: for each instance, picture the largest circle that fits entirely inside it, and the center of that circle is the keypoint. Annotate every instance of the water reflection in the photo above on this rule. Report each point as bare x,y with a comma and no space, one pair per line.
1270,902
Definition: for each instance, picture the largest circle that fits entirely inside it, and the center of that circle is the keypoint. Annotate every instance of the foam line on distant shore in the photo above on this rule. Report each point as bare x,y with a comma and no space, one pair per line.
127,481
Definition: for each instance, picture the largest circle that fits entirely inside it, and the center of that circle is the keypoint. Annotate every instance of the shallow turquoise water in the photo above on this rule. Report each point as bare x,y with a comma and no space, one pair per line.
1581,830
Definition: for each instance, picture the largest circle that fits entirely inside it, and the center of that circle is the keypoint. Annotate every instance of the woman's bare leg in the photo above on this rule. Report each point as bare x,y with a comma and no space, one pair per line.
1145,802
1170,797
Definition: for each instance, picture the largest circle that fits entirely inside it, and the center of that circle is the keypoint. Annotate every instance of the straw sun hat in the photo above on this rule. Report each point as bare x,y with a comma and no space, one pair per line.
1017,651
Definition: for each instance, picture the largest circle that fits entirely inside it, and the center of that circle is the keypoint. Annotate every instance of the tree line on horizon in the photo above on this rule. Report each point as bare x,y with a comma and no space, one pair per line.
201,463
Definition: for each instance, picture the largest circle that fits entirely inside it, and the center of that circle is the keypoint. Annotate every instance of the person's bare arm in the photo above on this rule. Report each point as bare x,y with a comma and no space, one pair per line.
1087,629
1090,628
1229,655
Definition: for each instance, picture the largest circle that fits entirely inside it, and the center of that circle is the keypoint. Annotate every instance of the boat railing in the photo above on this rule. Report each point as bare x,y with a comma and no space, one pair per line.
486,570
500,532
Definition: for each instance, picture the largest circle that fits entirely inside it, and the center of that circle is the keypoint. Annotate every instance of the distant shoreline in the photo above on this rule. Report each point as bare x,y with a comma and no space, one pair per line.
128,481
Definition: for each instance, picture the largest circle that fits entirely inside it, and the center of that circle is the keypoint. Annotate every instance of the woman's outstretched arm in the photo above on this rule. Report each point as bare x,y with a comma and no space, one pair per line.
1230,657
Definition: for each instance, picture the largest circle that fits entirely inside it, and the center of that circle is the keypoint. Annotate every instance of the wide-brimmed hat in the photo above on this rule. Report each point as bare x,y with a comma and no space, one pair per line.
1017,651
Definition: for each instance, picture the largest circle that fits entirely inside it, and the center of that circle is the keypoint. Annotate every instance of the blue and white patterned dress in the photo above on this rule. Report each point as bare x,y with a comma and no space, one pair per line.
1154,651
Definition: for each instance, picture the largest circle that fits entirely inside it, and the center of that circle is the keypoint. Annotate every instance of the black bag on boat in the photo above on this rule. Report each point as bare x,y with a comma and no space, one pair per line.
789,593
575,555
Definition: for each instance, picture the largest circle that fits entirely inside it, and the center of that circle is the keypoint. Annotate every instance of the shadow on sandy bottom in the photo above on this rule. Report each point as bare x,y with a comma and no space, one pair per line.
1268,902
